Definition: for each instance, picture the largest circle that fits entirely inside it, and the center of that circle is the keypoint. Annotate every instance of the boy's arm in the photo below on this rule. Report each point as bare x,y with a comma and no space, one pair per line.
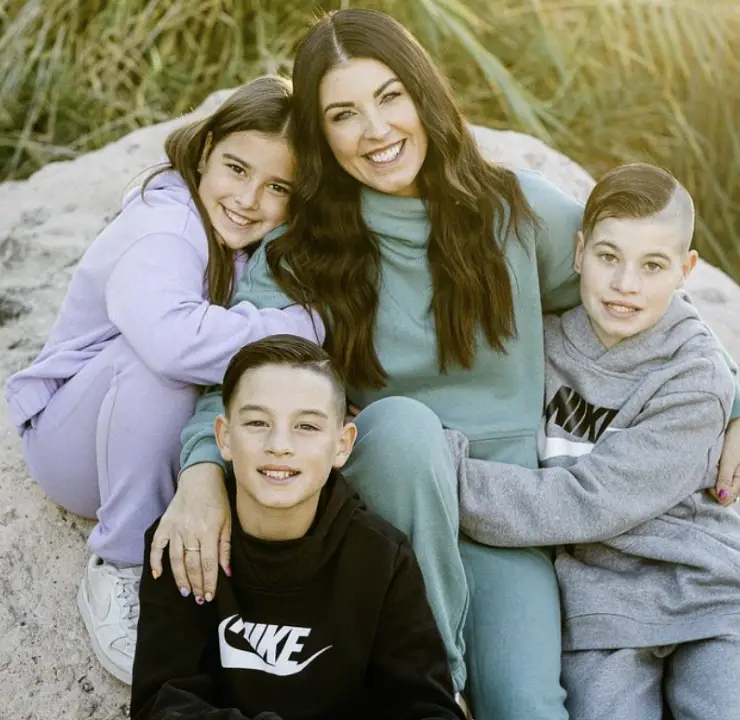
171,639
183,700
409,674
630,476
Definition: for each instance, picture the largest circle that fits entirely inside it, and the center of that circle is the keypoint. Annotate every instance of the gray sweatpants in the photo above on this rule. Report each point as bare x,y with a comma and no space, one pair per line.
694,681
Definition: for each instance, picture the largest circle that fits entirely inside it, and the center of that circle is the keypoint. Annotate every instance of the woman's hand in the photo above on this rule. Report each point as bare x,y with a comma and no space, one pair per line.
197,527
727,489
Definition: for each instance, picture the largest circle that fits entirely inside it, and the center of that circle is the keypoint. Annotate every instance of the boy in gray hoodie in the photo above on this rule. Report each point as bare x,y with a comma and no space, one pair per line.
638,396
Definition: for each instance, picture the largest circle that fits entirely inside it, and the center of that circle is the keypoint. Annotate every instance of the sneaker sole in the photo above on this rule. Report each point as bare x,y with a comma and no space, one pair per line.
83,606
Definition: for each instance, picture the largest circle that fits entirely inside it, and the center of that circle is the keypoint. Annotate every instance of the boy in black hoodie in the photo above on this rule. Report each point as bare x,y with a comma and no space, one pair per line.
325,615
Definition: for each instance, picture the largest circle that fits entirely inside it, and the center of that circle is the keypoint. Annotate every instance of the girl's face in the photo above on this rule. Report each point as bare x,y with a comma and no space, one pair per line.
372,126
245,185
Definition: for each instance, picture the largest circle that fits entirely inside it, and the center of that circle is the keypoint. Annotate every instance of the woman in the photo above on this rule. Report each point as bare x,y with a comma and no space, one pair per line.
142,326
432,268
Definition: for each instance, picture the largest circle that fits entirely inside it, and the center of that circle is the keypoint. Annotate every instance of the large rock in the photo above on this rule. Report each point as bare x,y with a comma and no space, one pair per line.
47,669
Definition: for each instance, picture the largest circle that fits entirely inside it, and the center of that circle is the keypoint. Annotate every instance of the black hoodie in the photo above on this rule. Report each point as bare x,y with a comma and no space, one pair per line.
332,626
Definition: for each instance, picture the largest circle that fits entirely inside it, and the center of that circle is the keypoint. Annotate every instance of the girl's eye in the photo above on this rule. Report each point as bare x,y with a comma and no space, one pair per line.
237,169
279,189
389,96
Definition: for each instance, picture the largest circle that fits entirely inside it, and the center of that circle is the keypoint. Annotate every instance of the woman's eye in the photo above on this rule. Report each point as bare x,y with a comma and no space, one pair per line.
389,96
341,116
237,169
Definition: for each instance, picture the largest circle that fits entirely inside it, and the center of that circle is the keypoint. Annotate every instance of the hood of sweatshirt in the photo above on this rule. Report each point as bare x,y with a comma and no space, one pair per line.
680,329
166,188
288,564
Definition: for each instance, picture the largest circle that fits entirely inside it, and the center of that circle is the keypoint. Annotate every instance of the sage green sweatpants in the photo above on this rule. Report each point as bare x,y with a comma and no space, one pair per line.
503,603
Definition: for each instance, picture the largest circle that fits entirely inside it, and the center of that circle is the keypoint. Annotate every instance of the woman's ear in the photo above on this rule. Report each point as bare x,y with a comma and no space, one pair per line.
207,147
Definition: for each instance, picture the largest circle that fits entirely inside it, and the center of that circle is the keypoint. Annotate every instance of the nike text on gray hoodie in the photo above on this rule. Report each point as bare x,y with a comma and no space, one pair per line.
630,440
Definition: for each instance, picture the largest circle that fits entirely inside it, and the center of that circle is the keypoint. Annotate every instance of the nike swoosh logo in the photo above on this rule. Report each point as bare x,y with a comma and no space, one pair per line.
235,658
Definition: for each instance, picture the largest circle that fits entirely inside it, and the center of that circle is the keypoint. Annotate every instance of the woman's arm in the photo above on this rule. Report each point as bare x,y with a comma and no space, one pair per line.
154,297
560,217
409,675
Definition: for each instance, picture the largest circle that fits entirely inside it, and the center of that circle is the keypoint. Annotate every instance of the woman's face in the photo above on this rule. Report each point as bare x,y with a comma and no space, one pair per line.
372,126
245,185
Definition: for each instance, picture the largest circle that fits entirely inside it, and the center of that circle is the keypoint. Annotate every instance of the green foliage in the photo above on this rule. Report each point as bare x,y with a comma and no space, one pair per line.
604,81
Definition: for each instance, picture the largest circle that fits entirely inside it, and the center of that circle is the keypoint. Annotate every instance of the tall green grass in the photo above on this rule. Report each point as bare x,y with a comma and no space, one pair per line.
604,81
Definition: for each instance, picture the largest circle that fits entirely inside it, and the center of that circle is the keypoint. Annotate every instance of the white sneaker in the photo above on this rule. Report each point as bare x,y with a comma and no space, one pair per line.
109,604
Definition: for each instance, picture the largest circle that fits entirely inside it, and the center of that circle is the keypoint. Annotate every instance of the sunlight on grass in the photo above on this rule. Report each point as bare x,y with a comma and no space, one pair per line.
604,81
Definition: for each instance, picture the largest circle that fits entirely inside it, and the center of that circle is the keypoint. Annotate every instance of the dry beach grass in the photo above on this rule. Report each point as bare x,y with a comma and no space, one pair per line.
604,81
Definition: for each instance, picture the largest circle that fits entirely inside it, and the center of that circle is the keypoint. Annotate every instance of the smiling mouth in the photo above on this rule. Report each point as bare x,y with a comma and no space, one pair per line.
387,155
237,219
279,475
620,309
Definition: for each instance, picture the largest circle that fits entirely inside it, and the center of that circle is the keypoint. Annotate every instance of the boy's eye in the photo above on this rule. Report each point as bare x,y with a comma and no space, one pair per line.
307,426
255,423
653,266
608,257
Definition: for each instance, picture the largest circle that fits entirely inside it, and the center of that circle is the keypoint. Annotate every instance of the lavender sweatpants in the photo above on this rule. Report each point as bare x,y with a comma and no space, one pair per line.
108,445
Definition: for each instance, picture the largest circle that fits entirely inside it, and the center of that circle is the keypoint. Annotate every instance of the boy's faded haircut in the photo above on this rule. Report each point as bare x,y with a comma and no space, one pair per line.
639,190
284,350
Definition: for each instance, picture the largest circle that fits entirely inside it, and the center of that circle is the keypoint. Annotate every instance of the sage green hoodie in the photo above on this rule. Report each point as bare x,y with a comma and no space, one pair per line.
498,403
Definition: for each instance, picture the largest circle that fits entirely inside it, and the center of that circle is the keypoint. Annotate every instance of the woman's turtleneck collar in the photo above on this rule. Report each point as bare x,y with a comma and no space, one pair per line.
396,218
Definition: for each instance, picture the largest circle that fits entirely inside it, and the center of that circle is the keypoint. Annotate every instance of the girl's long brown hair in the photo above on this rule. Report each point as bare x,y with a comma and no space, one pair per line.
330,259
263,105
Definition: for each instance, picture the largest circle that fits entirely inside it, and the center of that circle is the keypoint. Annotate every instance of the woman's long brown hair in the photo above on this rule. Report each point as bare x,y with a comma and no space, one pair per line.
263,105
329,258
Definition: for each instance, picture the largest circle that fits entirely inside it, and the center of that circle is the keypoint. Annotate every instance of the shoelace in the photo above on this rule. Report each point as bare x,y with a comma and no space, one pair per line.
127,582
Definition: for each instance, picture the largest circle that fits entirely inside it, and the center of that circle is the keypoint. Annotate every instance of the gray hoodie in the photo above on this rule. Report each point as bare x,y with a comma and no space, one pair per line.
630,440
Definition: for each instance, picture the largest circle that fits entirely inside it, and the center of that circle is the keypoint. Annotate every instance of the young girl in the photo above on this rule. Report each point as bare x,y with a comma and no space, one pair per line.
143,324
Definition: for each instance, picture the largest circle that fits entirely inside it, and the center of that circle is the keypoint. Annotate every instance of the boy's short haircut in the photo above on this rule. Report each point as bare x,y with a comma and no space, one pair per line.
287,350
635,191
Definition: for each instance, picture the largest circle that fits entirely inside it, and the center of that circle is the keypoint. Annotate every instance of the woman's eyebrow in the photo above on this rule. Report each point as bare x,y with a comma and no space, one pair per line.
349,104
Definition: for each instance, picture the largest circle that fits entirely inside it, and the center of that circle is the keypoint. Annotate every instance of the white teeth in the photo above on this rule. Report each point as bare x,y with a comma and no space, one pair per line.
237,219
387,155
279,474
621,308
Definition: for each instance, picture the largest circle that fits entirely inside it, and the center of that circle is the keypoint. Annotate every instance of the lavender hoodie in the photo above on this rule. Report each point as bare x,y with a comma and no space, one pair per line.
143,277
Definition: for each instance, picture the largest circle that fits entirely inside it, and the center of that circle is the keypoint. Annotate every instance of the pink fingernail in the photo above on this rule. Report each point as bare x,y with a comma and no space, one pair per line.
184,591
228,571
199,600
723,494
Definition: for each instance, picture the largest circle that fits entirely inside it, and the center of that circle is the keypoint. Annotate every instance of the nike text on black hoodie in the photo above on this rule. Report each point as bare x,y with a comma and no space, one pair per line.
332,626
